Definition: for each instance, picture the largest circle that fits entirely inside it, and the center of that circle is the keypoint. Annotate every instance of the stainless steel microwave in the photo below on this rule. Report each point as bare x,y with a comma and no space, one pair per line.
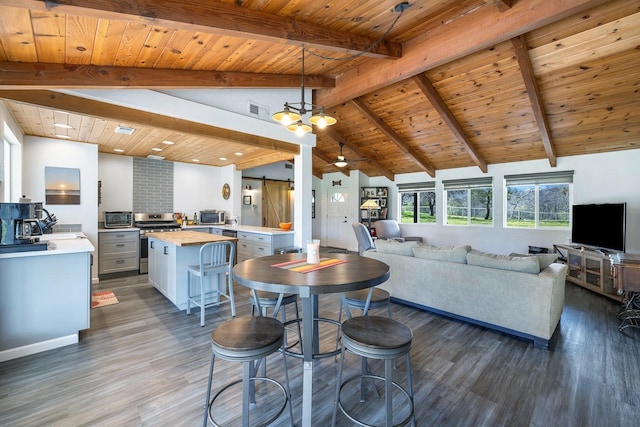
212,217
118,219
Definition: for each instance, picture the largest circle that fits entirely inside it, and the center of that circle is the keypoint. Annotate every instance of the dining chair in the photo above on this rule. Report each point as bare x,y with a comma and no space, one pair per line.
365,242
216,259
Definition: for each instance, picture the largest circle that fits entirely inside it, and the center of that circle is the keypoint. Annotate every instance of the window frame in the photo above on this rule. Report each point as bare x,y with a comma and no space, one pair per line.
468,185
536,180
416,189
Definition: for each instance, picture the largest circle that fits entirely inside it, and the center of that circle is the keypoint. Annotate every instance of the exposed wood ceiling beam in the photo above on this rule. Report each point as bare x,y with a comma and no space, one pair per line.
75,104
447,116
19,75
337,137
526,69
394,137
219,18
328,160
449,42
263,160
502,5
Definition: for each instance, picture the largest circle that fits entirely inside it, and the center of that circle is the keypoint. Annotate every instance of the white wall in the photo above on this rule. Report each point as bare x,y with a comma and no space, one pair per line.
42,152
116,174
598,178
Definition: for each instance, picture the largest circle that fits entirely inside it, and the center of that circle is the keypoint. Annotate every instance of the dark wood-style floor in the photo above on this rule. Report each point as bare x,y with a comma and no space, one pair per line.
143,362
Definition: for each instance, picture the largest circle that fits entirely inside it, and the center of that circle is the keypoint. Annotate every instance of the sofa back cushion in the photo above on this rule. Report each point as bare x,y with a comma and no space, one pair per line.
395,247
526,264
456,254
545,260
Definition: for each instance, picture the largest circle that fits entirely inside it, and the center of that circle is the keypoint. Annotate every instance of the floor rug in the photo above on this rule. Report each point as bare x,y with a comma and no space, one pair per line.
102,298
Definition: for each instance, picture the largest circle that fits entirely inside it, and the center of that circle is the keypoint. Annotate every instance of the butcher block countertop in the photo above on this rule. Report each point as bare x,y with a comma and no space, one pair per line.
189,238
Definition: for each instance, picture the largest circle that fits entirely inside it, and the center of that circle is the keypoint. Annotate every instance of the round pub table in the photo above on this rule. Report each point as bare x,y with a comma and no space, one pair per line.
355,273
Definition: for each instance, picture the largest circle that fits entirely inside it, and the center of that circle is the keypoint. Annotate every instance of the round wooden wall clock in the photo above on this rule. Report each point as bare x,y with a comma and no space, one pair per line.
226,191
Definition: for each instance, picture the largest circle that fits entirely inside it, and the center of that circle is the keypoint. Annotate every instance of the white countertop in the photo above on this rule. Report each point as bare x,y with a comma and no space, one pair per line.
58,244
246,228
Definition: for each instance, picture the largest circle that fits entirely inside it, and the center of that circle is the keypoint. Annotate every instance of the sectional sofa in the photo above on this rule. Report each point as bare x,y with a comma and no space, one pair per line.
521,295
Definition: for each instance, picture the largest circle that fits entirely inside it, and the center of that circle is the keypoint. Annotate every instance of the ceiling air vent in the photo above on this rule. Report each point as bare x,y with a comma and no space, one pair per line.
155,157
124,130
258,110
288,166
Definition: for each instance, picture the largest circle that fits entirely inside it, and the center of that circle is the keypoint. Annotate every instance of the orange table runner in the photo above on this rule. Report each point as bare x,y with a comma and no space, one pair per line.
301,265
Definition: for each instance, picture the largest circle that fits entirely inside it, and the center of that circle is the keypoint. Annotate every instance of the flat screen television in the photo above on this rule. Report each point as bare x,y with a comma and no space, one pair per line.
600,226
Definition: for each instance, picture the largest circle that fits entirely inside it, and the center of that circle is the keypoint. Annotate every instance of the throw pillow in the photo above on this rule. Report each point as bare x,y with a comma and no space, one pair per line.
395,247
545,259
456,254
527,264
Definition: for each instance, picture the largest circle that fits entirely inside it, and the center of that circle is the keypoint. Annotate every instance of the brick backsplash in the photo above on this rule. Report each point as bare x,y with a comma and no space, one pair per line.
152,185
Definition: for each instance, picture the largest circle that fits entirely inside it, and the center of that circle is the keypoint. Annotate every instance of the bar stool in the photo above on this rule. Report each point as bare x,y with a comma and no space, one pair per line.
215,258
381,338
247,340
277,302
358,299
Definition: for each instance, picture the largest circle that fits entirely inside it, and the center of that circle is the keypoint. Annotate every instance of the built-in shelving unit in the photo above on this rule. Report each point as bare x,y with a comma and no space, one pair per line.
380,195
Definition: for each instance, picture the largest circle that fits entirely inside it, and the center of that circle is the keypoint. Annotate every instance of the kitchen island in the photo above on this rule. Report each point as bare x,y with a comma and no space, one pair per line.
169,255
45,296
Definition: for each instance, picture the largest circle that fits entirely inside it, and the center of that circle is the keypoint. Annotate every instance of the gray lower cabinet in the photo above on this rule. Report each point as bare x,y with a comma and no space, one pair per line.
252,245
119,251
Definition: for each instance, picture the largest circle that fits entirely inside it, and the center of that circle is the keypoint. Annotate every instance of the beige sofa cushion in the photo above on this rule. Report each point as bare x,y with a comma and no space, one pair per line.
545,260
456,254
395,247
527,264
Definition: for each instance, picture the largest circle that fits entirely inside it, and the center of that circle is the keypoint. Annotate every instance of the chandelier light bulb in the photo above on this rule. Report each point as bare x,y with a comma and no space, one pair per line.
300,130
286,119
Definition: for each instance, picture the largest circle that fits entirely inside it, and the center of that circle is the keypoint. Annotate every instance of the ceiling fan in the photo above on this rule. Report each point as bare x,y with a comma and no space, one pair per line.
341,161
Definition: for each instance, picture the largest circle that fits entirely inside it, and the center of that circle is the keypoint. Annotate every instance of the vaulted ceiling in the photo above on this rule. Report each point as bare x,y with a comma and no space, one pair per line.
454,83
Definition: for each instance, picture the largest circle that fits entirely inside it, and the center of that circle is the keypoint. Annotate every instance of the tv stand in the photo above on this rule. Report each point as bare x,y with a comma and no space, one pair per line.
589,268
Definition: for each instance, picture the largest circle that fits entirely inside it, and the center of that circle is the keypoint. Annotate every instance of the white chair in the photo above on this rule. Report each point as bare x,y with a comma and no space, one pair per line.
213,261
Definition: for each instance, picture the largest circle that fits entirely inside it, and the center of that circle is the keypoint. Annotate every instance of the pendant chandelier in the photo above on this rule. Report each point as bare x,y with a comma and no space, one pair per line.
291,115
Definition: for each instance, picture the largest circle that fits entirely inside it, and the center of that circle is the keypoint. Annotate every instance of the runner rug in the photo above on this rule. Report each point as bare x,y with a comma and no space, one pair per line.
102,298
301,265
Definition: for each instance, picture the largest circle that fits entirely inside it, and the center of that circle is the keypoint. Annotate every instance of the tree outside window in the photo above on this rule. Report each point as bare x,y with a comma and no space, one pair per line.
418,207
538,205
469,201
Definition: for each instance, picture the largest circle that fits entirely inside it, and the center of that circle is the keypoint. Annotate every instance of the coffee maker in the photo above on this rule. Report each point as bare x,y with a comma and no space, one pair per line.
21,226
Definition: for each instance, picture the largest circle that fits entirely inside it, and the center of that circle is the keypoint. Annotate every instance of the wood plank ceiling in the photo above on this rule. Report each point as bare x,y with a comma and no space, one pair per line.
455,83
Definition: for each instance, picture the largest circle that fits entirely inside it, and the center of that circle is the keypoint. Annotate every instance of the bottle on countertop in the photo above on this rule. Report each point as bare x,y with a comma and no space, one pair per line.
195,218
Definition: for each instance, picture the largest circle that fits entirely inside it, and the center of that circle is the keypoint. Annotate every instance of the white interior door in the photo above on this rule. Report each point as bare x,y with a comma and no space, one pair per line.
339,230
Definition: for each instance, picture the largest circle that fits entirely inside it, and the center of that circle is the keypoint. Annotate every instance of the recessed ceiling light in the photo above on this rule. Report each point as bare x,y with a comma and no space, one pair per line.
222,158
124,130
156,149
168,142
195,160
118,150
239,154
63,126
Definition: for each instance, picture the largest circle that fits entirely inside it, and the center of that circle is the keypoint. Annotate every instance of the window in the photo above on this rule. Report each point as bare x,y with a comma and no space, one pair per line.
469,201
417,203
540,200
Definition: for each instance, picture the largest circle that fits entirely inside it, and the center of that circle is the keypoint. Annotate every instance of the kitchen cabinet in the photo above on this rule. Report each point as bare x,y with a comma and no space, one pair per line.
118,251
169,256
252,245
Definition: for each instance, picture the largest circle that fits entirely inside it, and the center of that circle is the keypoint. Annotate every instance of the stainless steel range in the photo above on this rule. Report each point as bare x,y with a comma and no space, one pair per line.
151,223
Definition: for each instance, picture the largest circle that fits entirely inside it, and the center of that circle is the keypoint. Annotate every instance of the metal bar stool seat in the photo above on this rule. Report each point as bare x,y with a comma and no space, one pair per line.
381,338
358,300
247,340
277,302
213,261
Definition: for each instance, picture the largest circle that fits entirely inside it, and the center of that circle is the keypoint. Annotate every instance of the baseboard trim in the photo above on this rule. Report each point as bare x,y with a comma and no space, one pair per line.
39,347
538,342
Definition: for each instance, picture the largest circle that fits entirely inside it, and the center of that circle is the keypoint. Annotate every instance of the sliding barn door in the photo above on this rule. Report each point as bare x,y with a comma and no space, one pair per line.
276,206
